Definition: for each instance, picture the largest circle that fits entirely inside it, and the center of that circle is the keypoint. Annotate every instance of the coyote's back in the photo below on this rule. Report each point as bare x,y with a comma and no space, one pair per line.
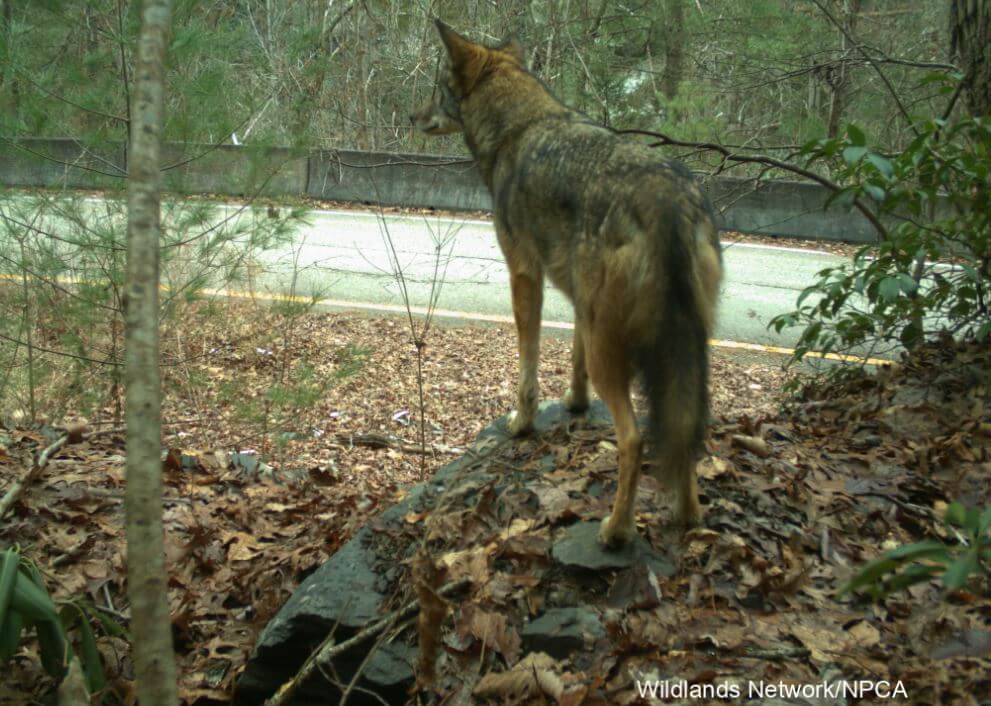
628,236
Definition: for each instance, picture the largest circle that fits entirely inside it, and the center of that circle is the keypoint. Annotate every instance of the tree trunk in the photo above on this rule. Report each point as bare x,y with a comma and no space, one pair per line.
151,626
8,77
674,47
839,78
970,44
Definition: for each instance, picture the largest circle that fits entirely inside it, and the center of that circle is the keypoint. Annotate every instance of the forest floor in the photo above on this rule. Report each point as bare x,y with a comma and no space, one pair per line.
321,413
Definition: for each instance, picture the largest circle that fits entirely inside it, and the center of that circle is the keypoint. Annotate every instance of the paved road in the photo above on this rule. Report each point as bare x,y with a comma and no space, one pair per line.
345,256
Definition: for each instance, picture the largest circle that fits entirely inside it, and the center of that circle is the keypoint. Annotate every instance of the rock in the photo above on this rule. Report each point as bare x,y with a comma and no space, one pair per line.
550,413
562,631
343,592
247,463
578,546
349,591
391,665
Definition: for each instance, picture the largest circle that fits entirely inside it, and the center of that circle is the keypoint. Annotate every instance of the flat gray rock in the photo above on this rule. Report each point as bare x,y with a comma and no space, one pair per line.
578,546
562,631
391,665
345,594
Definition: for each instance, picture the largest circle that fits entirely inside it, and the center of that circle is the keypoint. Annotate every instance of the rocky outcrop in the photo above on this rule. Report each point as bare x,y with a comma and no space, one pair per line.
370,574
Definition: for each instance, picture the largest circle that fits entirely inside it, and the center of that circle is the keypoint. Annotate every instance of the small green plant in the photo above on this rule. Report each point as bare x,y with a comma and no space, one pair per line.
914,563
283,411
25,606
302,389
350,360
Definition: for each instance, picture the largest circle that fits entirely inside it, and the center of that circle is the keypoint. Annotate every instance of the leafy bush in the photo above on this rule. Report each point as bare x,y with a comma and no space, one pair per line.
914,563
931,271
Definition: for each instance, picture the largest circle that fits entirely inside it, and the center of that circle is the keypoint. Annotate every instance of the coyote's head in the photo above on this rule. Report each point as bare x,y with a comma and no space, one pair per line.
457,74
441,115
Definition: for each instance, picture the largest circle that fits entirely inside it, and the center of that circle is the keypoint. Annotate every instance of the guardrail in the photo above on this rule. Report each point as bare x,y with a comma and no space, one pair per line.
781,208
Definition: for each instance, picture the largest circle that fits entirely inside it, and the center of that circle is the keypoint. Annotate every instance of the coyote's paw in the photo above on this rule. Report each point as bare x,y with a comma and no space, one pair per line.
519,424
613,534
575,403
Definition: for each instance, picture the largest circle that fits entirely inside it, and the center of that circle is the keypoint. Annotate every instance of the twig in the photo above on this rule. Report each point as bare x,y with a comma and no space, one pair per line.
38,465
327,650
59,353
433,609
109,599
360,689
17,145
352,684
53,236
26,75
911,508
114,613
216,145
419,336
774,654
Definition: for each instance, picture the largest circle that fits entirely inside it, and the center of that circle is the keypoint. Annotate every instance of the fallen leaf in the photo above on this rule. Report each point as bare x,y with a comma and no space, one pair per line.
753,444
535,674
864,634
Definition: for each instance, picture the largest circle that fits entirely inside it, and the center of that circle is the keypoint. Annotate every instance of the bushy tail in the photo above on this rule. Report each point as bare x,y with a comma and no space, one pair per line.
673,358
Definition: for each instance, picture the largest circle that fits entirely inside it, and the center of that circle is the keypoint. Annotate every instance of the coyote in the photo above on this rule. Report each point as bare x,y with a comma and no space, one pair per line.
628,236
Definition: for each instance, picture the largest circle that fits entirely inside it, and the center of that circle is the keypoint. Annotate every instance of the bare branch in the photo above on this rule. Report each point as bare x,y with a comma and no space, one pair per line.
771,162
328,650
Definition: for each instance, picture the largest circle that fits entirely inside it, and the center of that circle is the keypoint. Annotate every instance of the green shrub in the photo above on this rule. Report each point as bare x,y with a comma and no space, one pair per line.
931,270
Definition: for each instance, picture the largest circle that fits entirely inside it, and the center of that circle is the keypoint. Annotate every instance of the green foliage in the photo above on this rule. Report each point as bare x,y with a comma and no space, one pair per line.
932,271
351,359
915,563
25,606
757,70
301,391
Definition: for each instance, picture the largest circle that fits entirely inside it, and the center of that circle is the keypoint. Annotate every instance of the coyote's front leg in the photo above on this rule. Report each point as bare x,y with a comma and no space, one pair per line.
528,294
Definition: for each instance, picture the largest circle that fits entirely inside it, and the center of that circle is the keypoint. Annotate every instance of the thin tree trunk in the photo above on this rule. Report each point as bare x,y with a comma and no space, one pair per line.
8,77
674,48
839,88
970,37
154,659
8,20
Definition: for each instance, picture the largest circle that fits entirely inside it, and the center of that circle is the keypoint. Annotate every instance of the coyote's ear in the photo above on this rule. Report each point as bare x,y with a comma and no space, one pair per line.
514,48
467,58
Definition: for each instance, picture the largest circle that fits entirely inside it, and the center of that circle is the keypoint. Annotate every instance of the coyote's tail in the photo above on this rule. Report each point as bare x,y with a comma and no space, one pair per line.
673,357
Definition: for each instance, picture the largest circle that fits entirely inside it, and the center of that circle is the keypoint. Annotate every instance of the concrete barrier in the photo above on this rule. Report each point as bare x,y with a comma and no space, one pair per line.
785,208
233,170
397,180
781,208
65,163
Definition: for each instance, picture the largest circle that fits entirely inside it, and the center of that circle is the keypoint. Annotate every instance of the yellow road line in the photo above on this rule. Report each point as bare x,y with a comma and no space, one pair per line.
503,319
476,316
